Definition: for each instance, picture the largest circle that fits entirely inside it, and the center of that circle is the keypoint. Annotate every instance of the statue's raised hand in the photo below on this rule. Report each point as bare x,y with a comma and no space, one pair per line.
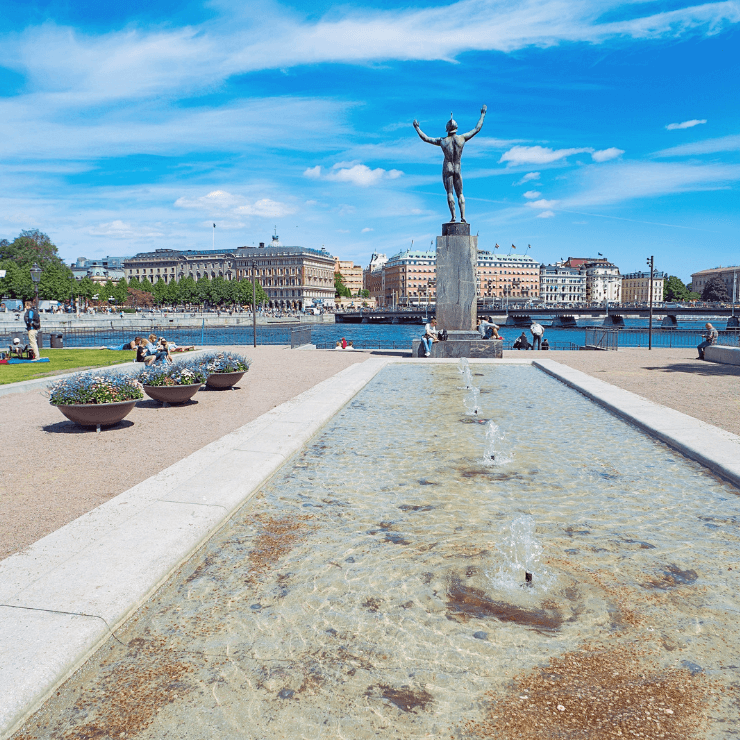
416,123
483,109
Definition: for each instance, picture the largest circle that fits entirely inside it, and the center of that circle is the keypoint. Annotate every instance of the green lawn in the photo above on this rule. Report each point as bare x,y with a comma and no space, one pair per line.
63,361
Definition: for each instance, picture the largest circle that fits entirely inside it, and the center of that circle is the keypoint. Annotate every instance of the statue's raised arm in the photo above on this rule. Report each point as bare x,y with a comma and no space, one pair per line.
478,126
424,137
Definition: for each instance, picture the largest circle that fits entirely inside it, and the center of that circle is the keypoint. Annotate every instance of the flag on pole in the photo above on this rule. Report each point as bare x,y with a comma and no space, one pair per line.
214,226
497,247
513,247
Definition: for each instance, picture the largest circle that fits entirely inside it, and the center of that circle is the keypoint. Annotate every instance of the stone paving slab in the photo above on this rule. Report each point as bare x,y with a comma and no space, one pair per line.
60,598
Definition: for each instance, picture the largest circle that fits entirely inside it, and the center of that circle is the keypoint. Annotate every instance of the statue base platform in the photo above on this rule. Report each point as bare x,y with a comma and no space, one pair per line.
462,344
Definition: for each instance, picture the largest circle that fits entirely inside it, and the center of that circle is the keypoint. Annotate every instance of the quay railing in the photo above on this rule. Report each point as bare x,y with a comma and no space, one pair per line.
599,337
299,336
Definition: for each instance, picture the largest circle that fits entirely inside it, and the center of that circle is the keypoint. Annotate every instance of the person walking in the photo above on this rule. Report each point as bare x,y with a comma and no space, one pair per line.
537,332
710,338
33,324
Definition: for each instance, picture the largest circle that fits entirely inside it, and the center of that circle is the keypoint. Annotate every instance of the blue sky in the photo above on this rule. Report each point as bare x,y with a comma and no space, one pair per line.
611,127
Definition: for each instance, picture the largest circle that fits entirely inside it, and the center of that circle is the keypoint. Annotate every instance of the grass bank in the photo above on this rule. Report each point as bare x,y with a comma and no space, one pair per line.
63,361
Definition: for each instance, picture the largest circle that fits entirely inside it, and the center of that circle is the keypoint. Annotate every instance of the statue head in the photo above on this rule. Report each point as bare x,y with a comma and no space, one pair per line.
451,125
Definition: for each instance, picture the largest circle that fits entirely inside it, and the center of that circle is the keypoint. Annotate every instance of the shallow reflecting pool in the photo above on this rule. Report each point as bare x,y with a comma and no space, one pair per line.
376,586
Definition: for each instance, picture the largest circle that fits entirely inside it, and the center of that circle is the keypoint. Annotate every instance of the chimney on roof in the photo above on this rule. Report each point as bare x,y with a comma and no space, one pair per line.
262,245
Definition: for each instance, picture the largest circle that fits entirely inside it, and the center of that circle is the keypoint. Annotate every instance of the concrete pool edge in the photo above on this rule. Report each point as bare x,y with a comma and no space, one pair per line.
712,447
65,595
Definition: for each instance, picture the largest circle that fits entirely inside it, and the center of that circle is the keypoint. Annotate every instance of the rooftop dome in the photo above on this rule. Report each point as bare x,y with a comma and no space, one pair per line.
275,241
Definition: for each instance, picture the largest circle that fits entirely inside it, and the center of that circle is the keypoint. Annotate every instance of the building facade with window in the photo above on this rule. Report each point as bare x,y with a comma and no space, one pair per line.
409,278
373,277
603,282
726,274
175,264
636,287
292,277
351,274
507,276
561,286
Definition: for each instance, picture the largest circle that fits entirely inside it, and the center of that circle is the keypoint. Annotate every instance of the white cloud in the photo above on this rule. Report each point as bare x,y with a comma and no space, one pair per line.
361,175
367,229
531,194
542,203
686,124
313,173
628,181
545,214
120,230
220,201
528,177
537,154
606,154
708,146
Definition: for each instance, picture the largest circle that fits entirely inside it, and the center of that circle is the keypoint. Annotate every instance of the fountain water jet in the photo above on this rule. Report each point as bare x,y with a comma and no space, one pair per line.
471,401
493,452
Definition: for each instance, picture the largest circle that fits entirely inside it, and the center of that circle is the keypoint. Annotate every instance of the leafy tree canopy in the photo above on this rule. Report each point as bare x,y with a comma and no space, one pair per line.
29,247
715,290
674,289
340,289
17,282
56,282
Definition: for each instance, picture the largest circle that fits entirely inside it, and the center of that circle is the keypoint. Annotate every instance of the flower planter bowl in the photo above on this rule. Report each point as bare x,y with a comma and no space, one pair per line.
224,380
97,414
172,393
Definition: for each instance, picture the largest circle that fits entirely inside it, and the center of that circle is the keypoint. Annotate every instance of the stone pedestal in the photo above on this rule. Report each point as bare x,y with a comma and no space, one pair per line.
470,345
457,256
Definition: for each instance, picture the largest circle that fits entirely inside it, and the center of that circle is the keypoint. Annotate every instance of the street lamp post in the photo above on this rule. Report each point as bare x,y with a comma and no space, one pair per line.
36,277
254,305
651,264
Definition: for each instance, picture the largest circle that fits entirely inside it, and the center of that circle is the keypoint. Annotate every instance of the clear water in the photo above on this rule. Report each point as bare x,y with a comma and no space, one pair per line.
375,587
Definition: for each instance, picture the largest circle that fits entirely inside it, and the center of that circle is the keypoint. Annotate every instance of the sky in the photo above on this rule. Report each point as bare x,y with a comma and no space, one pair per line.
611,127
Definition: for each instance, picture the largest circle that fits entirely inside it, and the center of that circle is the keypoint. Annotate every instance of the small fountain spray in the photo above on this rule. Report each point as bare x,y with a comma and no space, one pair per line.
471,401
494,452
463,367
521,566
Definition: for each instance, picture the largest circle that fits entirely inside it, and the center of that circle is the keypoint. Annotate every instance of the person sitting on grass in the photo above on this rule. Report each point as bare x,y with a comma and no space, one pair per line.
122,347
430,337
142,352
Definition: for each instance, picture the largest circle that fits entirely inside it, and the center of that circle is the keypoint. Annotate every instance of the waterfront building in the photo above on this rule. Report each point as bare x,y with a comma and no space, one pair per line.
507,276
99,270
174,264
603,282
561,285
725,274
292,277
636,287
409,277
372,277
351,274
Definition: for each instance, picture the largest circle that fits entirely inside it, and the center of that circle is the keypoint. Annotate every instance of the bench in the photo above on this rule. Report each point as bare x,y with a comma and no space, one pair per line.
723,354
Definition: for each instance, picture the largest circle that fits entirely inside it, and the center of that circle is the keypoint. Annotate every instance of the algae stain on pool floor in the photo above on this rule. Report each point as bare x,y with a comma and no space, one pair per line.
359,593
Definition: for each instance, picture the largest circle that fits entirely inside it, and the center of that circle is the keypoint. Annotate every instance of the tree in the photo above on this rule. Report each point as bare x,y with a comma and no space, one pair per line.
364,293
134,283
29,247
17,282
146,286
138,297
159,291
203,287
85,288
172,293
715,291
55,283
340,289
188,290
675,290
219,290
120,292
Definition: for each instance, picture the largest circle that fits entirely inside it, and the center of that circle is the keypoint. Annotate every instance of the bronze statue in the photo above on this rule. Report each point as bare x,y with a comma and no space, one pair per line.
452,146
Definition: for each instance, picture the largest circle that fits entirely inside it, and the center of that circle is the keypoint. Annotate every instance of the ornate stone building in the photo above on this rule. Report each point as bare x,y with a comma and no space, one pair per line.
561,285
292,277
175,264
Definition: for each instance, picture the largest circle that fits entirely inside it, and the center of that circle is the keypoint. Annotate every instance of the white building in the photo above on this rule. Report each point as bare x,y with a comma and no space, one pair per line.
603,282
560,285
